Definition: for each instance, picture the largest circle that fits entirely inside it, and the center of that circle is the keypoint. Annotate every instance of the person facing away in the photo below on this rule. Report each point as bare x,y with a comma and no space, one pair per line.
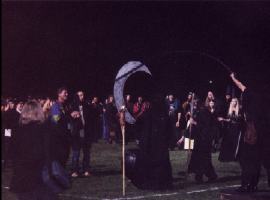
31,151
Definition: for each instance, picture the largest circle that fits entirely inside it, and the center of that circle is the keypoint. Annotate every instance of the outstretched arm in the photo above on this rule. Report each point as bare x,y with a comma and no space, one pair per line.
240,85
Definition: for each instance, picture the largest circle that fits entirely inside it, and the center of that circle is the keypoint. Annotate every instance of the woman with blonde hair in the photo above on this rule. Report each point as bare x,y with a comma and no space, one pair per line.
230,142
234,107
31,151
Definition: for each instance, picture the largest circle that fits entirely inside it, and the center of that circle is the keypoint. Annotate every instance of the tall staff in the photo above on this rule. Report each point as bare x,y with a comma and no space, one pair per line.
123,126
125,71
189,129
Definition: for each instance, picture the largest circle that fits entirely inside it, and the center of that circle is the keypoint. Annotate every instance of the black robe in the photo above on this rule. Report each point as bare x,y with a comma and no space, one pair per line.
230,142
249,153
153,168
206,130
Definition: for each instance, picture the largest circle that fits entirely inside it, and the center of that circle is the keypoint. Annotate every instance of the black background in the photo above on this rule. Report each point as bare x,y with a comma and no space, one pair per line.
83,44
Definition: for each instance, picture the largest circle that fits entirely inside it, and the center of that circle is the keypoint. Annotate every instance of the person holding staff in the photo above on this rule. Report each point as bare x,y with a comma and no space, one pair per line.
249,153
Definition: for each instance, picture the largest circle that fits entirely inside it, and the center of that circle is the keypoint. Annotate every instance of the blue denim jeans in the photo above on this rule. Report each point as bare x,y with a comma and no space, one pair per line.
105,128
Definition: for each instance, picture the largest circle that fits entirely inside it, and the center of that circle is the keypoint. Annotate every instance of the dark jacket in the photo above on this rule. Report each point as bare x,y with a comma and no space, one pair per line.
10,119
31,150
77,123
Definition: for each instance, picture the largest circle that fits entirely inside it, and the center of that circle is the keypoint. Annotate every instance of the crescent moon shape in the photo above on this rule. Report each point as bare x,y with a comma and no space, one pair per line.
126,71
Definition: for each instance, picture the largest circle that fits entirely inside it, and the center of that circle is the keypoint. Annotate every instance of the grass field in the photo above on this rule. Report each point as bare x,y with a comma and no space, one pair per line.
106,179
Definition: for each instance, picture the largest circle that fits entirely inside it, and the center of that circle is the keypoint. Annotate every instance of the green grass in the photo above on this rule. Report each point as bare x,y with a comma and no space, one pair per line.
106,179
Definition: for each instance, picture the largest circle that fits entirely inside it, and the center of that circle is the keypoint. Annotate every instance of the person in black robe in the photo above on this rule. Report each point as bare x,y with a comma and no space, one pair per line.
265,141
96,109
249,149
112,119
153,169
10,121
206,130
218,112
230,141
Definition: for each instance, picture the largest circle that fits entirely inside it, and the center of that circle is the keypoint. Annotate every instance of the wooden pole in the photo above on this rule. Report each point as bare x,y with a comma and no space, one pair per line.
122,124
123,161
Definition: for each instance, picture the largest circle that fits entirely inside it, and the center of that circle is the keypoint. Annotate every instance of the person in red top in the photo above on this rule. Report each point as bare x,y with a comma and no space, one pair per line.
138,110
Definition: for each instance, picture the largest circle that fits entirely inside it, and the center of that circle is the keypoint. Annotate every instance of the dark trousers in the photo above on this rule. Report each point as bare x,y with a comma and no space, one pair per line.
6,151
62,154
40,193
60,147
78,144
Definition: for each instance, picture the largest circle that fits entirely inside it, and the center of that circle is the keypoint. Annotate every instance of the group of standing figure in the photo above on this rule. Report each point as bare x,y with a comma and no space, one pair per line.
238,124
243,132
45,132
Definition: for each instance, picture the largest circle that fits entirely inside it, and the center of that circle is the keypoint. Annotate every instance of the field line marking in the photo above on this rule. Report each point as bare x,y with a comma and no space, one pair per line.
212,189
154,195
79,196
143,197
146,196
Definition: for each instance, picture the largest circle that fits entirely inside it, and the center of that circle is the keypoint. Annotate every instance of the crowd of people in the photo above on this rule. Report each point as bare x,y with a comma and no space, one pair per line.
234,126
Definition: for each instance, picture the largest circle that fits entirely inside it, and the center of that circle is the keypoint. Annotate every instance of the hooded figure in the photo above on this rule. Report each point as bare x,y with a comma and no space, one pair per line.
152,169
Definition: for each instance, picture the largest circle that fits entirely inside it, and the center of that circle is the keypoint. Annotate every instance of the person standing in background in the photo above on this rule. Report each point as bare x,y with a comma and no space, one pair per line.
81,133
60,121
174,113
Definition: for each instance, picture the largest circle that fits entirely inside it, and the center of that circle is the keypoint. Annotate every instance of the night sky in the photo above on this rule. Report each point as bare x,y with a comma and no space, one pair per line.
83,44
